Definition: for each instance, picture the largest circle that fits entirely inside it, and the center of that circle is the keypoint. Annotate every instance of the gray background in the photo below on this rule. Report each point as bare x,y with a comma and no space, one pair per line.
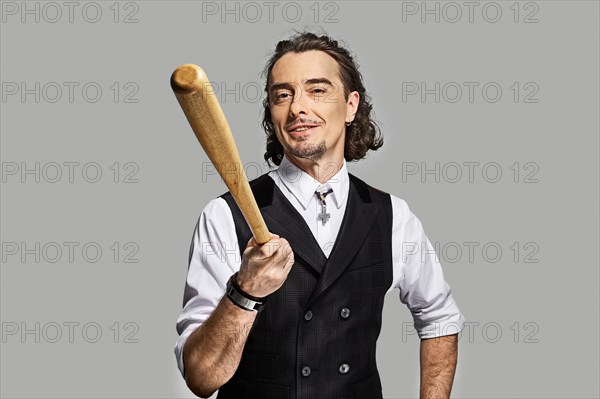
534,325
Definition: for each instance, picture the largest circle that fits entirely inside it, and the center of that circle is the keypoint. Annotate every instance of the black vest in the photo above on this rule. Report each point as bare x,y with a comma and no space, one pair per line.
316,337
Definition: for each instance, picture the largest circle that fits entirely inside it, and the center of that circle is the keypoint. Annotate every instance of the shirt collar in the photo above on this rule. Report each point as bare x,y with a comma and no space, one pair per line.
303,186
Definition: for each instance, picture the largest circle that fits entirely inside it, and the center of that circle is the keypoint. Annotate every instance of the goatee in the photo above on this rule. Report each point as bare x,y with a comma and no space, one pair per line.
312,152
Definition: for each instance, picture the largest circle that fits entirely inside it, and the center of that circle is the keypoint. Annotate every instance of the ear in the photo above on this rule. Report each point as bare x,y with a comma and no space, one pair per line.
352,104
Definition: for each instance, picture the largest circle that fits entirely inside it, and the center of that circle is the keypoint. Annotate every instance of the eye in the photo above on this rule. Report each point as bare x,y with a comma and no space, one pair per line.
319,90
280,95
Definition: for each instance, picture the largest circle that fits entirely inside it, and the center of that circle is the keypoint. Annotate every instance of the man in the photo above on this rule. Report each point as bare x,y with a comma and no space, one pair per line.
301,317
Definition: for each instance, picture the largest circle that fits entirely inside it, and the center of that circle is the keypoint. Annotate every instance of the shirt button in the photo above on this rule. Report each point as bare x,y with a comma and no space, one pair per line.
345,313
305,371
344,368
308,315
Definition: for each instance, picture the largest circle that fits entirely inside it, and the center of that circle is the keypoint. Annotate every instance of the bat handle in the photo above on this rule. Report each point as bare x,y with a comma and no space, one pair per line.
251,213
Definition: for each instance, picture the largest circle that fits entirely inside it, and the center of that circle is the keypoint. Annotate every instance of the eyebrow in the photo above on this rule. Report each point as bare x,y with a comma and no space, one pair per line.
284,85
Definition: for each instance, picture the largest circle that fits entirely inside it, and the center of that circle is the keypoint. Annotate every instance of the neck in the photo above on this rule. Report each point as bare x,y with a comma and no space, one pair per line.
321,170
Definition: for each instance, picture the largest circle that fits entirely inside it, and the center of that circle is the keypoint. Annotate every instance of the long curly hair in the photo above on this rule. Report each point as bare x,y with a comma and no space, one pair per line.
363,134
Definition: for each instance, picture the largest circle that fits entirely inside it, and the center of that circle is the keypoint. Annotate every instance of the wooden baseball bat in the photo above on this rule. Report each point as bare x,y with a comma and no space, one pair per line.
201,107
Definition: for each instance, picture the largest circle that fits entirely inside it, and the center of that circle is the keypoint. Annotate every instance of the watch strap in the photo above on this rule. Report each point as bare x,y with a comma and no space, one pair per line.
241,298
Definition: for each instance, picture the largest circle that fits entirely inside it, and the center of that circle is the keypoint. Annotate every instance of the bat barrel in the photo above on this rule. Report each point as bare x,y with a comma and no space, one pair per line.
201,107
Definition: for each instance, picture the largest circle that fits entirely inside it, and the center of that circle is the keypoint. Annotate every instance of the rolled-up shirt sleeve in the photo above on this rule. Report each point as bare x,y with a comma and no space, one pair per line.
419,277
214,257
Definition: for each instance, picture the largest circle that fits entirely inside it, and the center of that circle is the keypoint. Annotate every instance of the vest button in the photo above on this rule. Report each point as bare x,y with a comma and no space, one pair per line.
305,371
345,313
344,368
308,315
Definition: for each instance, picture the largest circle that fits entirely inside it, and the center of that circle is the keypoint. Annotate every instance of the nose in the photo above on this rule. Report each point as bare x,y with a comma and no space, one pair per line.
299,104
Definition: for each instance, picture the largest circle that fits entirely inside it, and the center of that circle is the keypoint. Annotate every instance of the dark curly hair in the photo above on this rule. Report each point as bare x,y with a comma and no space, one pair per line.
363,134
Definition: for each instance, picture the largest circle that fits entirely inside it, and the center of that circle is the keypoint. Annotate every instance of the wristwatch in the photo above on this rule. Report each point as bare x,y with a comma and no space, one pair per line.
242,299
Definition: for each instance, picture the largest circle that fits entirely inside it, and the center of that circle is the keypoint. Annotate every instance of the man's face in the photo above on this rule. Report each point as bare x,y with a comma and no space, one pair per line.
308,108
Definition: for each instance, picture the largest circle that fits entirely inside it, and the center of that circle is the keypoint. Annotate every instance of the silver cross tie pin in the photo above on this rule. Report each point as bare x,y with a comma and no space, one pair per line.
323,216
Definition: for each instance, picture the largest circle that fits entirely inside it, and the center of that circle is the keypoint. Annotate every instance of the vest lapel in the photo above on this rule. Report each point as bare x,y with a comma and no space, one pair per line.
283,219
359,217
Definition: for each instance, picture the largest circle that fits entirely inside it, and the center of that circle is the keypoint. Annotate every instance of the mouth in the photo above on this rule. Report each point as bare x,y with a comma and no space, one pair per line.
301,130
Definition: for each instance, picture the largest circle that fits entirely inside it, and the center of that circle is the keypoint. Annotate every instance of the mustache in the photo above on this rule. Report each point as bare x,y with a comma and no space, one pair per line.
301,121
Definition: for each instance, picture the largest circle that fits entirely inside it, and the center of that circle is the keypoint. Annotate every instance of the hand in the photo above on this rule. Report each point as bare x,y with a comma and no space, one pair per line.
265,267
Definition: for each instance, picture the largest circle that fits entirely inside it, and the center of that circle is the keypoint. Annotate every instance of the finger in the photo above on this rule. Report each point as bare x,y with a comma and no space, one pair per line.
269,249
285,250
251,242
291,261
284,256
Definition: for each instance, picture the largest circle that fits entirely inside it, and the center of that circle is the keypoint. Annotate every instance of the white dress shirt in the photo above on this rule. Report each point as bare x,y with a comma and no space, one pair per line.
417,273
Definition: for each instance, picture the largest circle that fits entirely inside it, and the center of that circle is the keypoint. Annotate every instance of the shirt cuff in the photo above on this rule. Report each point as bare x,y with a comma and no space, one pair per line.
439,328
